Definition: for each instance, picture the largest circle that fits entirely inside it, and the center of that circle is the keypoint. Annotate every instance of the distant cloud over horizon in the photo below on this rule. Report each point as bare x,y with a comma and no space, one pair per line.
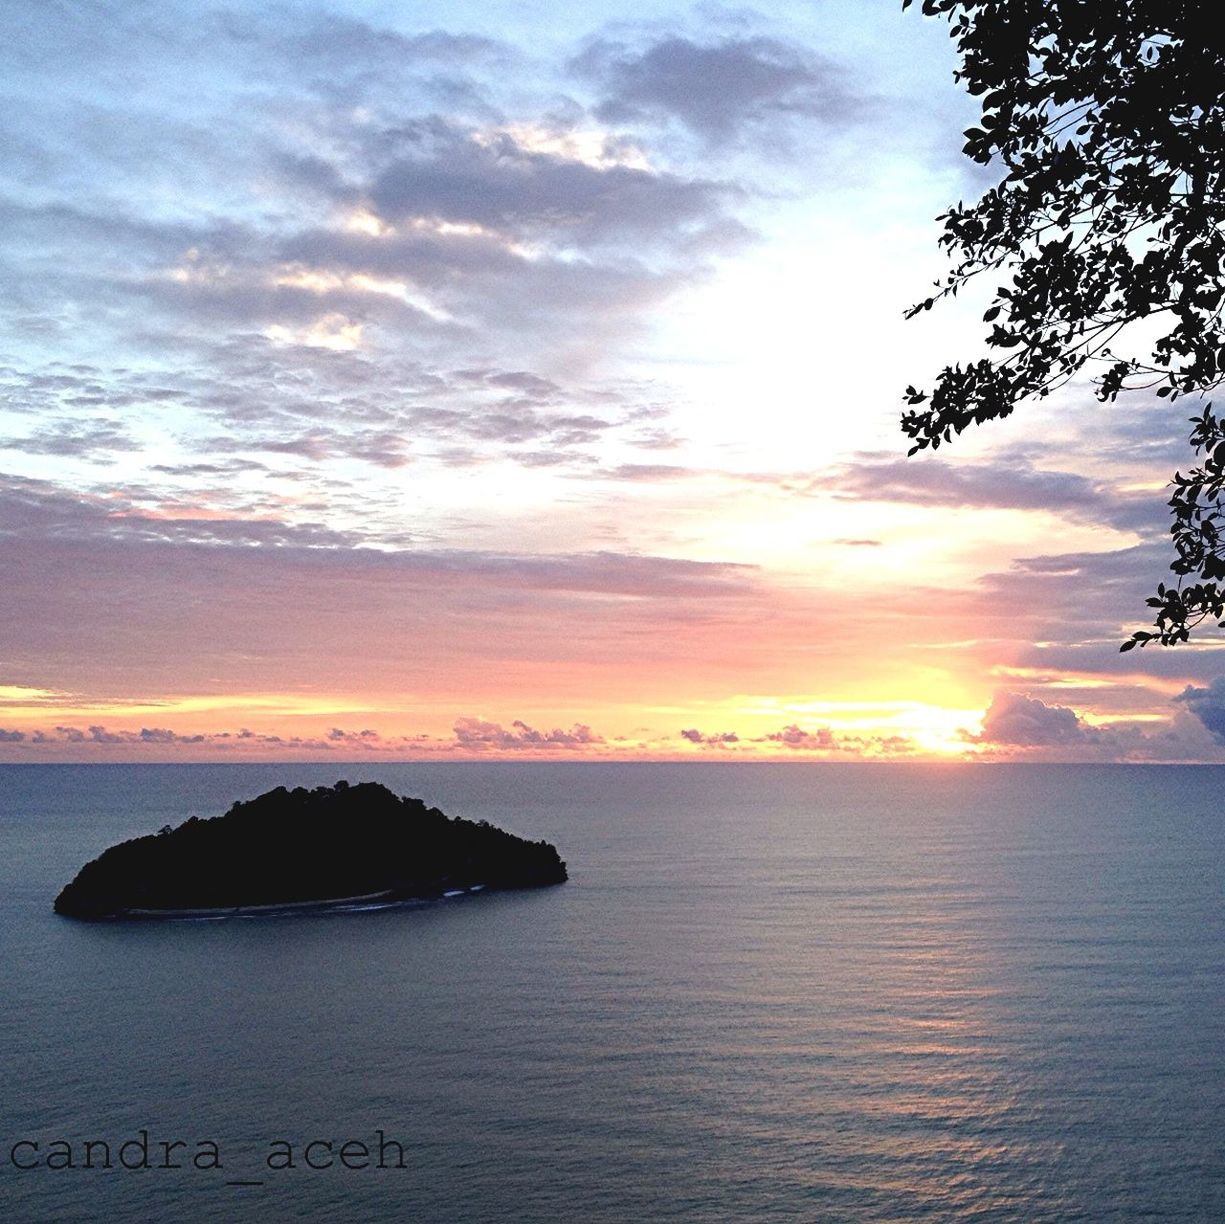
1208,705
480,734
1013,718
717,739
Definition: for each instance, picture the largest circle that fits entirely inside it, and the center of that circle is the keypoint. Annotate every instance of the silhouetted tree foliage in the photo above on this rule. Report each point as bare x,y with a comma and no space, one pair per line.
289,847
1107,122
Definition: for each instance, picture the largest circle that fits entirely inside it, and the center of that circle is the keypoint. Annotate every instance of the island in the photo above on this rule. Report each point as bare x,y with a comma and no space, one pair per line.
335,847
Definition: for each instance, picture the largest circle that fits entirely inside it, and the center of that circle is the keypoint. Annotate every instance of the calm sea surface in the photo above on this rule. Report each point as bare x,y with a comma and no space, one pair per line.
794,992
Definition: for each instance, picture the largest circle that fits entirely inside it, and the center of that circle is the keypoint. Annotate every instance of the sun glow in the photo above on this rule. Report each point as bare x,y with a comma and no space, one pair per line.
917,726
589,146
938,730
363,221
333,331
321,281
831,729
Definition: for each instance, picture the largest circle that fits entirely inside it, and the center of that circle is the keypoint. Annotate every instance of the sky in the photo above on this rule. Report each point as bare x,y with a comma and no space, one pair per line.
504,380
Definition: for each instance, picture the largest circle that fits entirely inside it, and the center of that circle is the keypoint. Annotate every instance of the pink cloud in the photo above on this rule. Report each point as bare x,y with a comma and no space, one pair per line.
718,739
1015,719
480,735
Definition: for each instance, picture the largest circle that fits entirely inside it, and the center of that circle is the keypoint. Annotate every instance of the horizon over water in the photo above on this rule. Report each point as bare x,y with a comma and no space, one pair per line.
787,991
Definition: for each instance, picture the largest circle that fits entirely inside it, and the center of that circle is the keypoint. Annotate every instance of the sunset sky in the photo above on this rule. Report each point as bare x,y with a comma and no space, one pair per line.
476,379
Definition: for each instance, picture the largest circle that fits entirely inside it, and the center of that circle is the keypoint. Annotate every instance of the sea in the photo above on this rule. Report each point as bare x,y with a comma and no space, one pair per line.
843,992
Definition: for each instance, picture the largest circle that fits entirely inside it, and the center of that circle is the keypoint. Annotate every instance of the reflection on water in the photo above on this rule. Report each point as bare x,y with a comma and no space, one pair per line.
793,992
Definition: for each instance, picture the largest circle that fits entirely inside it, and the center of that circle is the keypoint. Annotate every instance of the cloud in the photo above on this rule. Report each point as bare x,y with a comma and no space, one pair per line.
1024,721
1069,612
793,736
717,89
74,439
102,590
1208,705
480,735
646,473
308,236
38,513
255,404
1017,726
718,739
99,736
339,735
230,467
354,46
823,739
1006,483
496,181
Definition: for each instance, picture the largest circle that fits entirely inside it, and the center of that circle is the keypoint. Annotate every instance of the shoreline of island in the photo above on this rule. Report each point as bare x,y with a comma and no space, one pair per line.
387,899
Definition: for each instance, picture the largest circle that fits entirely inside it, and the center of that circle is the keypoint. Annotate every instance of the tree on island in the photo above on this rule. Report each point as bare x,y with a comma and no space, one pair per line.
318,849
1108,122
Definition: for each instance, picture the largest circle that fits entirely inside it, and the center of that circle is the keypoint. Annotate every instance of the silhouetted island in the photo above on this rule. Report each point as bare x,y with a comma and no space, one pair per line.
332,847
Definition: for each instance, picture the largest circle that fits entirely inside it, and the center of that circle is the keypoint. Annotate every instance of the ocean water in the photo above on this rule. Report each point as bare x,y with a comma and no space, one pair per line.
792,992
